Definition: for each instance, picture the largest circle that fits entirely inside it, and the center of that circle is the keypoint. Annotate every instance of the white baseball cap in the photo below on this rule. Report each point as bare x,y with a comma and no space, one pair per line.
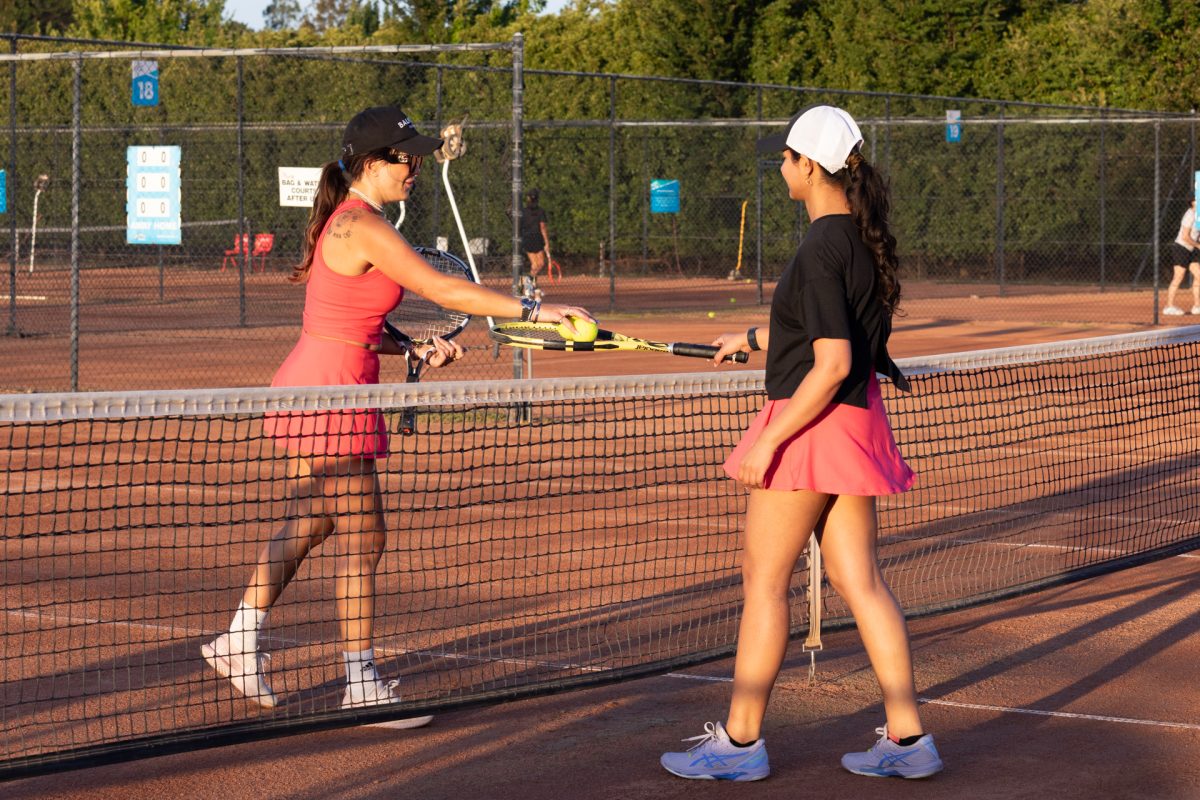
825,134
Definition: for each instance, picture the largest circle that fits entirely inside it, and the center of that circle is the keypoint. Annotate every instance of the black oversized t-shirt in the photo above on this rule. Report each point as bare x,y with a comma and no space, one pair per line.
828,292
532,218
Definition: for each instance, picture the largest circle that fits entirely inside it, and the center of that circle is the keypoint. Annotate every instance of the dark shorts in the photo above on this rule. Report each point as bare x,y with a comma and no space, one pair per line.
1182,256
533,244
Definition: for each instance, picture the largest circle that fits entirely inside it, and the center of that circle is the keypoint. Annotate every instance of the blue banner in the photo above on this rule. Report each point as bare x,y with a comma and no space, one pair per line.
152,196
145,83
953,126
664,197
3,191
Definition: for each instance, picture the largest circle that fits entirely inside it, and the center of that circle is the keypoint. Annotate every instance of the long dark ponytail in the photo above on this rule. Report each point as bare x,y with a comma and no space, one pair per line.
870,204
331,191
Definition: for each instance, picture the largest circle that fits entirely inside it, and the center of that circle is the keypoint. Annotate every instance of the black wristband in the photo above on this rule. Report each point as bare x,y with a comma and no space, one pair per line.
752,339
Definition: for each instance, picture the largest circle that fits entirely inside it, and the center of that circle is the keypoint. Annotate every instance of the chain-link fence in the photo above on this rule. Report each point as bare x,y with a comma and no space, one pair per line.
84,309
1036,214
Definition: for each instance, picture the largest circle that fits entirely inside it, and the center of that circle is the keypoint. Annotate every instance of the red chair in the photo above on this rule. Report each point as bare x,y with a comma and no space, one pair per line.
263,242
241,244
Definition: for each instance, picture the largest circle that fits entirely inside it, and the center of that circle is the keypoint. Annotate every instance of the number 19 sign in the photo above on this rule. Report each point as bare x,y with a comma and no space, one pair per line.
152,197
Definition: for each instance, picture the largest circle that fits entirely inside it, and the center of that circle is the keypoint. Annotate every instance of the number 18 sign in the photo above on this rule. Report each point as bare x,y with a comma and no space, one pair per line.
145,83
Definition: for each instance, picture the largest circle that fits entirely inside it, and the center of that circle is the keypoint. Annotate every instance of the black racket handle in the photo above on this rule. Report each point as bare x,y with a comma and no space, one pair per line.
705,351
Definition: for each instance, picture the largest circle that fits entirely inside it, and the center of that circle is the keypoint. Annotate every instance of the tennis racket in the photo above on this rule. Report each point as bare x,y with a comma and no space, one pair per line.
417,320
545,336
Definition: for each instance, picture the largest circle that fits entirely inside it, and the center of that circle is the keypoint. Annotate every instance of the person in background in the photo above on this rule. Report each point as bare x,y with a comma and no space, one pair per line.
535,238
1184,252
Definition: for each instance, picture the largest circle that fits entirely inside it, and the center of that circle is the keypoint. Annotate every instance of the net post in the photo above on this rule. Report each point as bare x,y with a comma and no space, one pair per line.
612,193
1154,268
243,225
812,642
76,147
12,177
518,115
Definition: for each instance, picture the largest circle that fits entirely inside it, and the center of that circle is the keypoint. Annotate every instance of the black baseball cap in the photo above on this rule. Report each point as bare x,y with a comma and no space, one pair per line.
385,126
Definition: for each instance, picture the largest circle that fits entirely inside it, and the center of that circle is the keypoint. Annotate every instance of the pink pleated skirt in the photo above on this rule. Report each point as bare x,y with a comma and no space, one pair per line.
350,432
845,450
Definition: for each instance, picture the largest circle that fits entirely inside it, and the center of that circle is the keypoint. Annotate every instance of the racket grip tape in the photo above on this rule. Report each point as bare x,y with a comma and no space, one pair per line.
705,351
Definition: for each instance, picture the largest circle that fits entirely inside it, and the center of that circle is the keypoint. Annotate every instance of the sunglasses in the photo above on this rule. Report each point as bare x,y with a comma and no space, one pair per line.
393,156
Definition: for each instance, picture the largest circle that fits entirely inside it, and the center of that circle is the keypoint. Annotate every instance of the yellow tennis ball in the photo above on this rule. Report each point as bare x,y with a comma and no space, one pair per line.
585,331
712,315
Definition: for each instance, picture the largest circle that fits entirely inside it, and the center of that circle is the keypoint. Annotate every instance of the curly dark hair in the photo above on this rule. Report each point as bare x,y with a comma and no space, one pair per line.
869,195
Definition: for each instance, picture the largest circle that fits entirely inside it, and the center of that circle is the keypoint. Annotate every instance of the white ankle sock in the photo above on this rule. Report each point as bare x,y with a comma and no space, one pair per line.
360,669
243,631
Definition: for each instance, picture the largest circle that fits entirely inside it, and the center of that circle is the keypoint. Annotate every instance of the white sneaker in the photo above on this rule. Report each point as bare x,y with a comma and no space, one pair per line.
1172,311
377,693
244,670
715,758
1196,310
886,759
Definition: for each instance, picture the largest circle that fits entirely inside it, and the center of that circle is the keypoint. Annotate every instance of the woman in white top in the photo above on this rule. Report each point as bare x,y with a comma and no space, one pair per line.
1183,251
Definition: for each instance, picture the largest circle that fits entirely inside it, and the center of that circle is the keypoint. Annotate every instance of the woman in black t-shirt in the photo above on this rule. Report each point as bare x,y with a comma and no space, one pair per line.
820,451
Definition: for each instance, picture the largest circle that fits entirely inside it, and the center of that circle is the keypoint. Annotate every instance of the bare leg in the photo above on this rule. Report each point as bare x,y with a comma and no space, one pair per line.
360,541
1194,268
778,526
536,262
1176,280
307,525
847,537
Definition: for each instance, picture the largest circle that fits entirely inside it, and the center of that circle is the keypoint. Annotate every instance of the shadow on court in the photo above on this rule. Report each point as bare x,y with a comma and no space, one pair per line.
1109,663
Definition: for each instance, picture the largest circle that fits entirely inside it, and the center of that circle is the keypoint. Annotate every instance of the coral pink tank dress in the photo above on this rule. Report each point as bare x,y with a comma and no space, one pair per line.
351,308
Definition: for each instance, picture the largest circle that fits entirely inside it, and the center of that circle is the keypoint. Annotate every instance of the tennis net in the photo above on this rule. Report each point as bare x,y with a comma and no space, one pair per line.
542,534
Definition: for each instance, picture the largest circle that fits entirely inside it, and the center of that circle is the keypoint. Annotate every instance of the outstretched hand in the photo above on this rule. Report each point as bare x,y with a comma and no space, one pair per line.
556,312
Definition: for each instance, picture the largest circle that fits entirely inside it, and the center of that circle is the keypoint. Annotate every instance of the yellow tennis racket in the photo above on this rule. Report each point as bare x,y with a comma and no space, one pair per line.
546,336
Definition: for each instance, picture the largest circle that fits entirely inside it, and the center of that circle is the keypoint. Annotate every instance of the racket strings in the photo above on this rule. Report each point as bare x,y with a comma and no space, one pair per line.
422,319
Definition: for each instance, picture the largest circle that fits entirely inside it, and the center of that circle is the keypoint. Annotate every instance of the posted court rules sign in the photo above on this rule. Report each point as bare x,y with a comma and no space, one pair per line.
152,195
298,186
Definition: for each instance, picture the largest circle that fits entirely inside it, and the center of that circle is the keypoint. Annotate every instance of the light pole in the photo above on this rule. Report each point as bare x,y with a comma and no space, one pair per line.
39,186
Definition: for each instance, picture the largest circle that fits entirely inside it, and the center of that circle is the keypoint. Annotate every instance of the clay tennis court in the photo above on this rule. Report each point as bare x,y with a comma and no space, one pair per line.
201,327
1082,691
451,762
315,666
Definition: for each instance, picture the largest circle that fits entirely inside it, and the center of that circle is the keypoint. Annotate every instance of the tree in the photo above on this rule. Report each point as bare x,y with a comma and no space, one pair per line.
282,14
165,21
40,17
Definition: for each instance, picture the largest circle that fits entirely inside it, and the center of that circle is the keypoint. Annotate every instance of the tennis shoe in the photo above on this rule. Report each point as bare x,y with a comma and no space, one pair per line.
887,759
244,670
1196,309
378,693
1173,311
715,758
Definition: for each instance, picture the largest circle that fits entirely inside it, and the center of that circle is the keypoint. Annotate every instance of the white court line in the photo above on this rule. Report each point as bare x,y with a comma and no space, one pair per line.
384,649
1066,714
686,677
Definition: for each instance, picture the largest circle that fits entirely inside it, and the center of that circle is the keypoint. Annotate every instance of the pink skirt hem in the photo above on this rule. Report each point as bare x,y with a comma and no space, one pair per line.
845,450
350,432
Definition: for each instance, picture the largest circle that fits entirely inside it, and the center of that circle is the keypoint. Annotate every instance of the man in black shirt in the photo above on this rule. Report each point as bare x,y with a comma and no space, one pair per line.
535,239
